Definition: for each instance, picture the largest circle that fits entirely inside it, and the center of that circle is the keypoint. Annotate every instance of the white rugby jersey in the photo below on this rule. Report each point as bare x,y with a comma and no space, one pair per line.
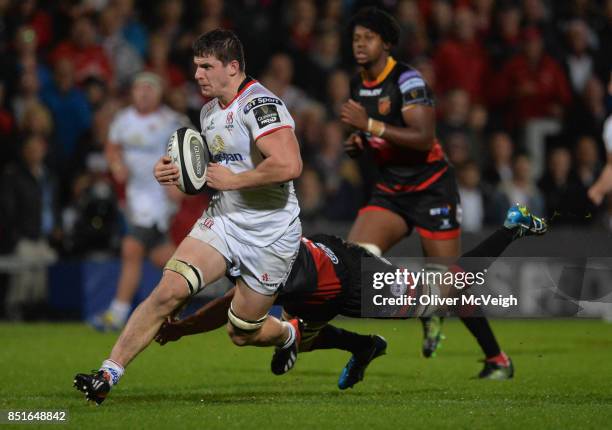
255,216
143,139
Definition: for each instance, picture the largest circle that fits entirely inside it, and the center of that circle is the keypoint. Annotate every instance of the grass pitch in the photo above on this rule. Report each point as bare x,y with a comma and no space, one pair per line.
563,380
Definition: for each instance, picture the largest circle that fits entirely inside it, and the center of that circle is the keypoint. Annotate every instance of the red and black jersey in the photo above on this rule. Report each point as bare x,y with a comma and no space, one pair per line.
320,278
397,88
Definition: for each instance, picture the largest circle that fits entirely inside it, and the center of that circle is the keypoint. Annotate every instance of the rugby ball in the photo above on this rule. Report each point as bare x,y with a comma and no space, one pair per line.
188,151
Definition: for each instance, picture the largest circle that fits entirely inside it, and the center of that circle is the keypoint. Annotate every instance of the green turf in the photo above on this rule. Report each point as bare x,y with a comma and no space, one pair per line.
563,380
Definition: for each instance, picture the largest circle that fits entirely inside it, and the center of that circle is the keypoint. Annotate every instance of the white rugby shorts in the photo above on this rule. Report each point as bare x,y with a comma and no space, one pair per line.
263,269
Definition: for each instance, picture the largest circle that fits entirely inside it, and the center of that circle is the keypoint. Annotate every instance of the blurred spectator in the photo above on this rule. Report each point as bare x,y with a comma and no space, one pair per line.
457,147
536,93
472,199
461,61
338,92
441,21
522,188
91,220
339,175
88,58
588,112
159,62
483,13
278,78
426,68
7,130
501,150
578,61
70,110
133,30
168,19
414,40
36,120
561,190
532,85
302,15
4,32
323,59
29,13
31,208
26,95
604,54
27,58
537,14
505,40
310,193
125,60
7,122
459,117
587,161
96,92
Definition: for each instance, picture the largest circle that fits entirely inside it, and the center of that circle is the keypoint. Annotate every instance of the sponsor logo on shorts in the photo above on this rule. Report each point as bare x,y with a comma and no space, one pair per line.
266,115
261,101
446,225
265,277
441,211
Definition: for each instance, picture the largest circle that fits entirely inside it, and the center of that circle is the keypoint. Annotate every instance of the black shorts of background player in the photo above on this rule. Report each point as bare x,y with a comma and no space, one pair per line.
393,114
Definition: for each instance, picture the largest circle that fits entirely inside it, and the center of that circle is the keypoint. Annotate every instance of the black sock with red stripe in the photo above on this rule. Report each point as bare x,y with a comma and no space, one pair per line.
331,337
480,328
476,260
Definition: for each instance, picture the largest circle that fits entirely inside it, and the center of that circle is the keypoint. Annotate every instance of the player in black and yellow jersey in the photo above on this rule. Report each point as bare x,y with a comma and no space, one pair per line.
392,112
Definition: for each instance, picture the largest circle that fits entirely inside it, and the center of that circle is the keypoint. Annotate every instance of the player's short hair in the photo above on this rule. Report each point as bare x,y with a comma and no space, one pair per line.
222,44
378,21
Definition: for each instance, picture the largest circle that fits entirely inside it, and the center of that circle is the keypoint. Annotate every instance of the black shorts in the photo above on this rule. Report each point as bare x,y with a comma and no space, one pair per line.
432,207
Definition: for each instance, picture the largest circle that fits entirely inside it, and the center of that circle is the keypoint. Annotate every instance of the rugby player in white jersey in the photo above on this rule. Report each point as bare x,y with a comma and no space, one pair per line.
137,136
251,230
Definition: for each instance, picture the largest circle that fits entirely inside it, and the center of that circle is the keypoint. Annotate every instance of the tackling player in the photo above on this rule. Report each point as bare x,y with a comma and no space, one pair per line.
393,114
251,229
325,281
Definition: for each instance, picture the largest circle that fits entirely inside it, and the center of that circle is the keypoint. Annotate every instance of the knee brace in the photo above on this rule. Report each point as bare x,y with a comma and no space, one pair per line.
370,247
243,325
193,275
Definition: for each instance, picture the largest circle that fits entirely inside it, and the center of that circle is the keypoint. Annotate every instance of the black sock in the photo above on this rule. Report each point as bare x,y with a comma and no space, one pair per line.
476,260
480,328
331,337
485,253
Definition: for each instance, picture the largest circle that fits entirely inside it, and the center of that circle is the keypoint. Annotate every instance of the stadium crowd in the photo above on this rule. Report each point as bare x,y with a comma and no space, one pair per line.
523,88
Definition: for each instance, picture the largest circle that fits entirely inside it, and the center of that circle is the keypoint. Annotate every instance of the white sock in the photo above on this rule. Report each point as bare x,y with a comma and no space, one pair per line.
114,370
120,310
291,337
